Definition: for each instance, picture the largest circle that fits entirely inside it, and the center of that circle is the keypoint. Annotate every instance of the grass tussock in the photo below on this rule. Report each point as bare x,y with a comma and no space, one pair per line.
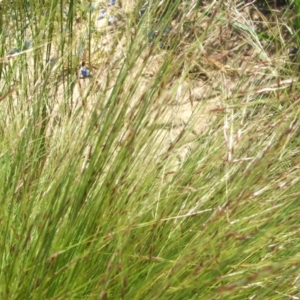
149,151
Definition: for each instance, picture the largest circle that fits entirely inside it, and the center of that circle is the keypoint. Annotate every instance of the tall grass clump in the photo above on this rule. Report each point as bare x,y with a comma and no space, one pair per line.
149,150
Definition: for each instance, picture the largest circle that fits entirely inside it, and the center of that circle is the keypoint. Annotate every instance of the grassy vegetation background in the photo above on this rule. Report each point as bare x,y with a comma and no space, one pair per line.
171,173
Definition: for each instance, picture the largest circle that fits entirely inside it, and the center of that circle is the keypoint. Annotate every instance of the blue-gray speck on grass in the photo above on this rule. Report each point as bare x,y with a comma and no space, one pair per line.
85,73
111,2
143,9
111,19
164,46
102,14
14,51
151,35
294,51
27,44
167,31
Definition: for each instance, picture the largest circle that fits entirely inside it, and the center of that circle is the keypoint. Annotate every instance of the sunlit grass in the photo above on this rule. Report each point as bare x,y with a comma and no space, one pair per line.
172,172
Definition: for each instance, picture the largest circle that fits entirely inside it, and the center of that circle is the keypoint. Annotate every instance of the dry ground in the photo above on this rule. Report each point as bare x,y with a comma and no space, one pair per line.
208,80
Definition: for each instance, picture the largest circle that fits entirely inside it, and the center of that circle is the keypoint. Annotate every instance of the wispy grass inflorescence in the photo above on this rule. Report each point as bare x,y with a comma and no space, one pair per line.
152,153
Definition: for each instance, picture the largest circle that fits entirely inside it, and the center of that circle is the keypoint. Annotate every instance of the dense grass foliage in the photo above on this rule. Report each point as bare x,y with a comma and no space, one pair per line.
151,152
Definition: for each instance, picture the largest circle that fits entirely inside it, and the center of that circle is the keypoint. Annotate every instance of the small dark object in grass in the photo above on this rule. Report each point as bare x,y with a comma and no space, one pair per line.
164,46
272,2
264,11
152,35
84,72
143,9
167,31
294,51
52,61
